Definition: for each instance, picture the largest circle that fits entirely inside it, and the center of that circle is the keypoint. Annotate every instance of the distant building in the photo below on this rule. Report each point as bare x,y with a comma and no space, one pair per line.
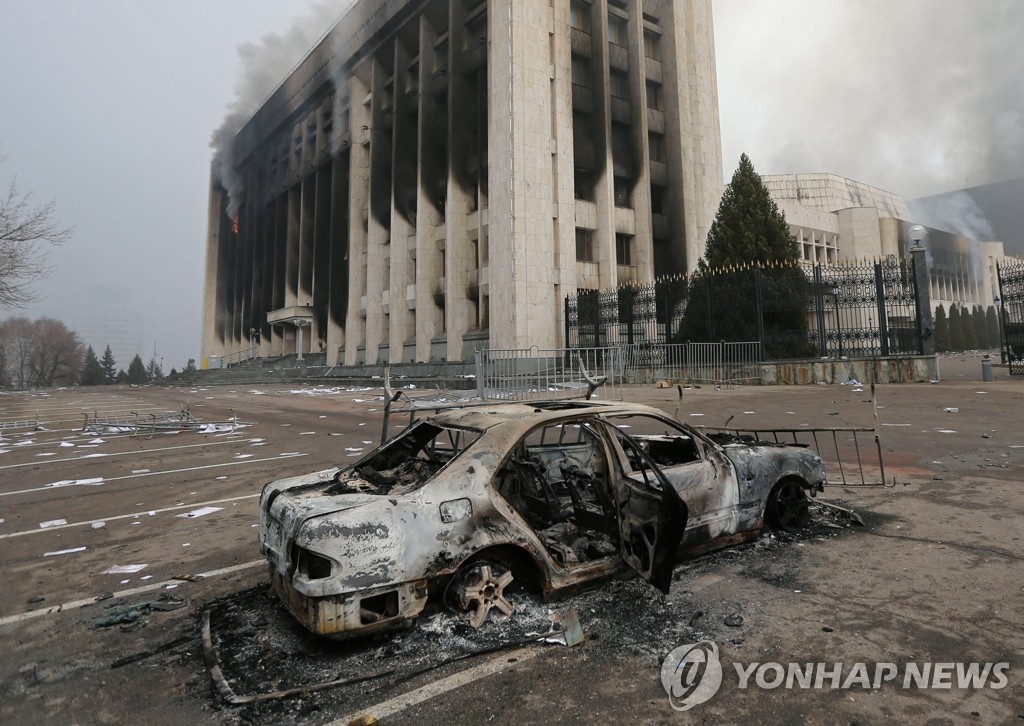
838,220
105,317
438,175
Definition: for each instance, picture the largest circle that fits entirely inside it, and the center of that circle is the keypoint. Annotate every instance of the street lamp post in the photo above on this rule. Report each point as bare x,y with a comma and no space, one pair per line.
922,287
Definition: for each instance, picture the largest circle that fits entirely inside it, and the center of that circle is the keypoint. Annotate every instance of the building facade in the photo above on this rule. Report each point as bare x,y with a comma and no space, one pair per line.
837,220
436,176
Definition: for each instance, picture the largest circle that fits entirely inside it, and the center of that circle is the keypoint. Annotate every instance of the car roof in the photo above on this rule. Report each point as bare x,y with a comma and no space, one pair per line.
533,413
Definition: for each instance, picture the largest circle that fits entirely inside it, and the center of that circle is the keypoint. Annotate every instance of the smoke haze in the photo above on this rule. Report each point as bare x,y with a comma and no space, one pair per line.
916,97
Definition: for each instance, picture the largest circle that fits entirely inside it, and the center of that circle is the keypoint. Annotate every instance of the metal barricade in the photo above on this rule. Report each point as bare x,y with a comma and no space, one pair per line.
716,363
532,374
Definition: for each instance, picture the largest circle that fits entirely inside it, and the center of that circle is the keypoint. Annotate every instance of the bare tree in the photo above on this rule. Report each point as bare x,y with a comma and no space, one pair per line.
25,232
57,358
39,353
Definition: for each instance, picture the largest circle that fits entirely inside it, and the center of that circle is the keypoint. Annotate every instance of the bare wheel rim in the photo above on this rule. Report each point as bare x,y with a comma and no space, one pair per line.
790,508
482,590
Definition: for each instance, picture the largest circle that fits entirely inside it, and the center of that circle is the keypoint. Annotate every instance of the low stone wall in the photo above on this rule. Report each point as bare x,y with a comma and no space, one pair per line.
902,369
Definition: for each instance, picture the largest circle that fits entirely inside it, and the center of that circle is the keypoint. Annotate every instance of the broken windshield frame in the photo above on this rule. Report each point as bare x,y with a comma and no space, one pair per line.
408,461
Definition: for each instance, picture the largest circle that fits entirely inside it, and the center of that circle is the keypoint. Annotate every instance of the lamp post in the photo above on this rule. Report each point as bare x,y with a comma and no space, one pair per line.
839,324
922,287
1002,332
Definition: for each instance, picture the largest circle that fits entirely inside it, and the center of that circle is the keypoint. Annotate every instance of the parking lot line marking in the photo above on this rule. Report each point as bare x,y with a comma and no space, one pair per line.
290,455
20,617
146,513
125,453
388,708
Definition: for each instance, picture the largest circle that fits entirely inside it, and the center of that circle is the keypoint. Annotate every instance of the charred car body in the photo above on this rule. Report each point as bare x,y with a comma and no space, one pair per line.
556,496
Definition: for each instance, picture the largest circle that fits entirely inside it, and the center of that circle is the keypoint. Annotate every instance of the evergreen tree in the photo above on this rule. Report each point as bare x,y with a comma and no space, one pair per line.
956,330
109,365
992,323
749,232
941,330
121,377
980,328
92,370
970,340
153,371
748,227
137,371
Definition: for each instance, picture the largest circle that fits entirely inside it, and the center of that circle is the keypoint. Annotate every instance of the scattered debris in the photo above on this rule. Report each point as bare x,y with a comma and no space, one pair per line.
69,551
733,620
201,512
125,614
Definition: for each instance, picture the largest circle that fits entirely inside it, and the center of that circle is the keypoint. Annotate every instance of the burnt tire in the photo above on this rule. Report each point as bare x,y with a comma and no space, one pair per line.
788,508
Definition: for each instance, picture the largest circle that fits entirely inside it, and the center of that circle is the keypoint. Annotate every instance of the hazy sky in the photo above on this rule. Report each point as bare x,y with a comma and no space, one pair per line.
108,109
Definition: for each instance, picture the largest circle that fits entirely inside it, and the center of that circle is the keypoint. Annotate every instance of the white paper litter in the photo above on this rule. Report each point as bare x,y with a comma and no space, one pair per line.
64,552
124,569
94,482
53,523
201,512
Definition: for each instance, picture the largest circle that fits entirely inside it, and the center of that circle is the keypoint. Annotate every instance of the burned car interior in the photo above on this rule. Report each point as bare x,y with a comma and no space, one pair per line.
557,480
407,462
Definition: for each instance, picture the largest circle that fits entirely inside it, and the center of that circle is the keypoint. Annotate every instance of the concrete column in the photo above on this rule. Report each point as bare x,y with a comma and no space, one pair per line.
432,170
461,190
563,199
522,277
643,234
212,341
604,235
403,205
378,234
339,256
358,204
693,137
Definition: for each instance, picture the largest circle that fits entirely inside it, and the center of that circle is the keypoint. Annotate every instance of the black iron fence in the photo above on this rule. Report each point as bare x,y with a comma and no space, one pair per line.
1011,314
853,310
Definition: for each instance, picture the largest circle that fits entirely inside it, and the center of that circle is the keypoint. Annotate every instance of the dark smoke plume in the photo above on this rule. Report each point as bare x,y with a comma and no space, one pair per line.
263,66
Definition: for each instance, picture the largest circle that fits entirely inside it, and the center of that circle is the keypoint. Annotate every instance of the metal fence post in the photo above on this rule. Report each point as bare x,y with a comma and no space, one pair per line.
819,309
883,321
759,305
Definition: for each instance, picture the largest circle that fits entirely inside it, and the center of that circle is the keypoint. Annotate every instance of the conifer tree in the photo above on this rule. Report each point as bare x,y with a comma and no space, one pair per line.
109,365
92,370
980,329
749,231
137,371
956,329
941,330
992,323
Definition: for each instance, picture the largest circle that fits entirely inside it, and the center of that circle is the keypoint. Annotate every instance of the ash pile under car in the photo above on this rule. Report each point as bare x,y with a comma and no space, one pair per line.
554,496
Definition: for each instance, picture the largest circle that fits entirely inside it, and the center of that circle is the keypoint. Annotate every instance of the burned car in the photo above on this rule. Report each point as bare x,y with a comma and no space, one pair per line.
554,496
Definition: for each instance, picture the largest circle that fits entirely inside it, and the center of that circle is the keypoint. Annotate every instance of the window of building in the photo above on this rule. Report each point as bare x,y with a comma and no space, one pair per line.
623,192
617,31
624,249
579,15
656,146
581,72
585,245
654,97
619,83
651,45
658,198
583,185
